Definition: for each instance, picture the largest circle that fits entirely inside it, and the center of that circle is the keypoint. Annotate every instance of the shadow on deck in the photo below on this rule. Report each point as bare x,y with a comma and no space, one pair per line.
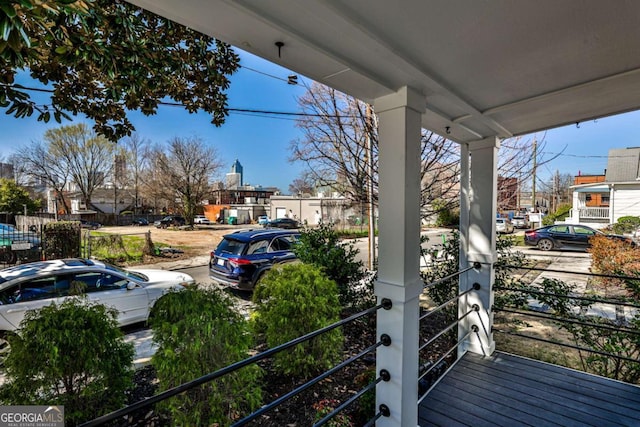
508,390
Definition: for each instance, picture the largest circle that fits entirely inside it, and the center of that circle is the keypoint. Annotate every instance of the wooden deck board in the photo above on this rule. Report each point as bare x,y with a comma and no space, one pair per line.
507,390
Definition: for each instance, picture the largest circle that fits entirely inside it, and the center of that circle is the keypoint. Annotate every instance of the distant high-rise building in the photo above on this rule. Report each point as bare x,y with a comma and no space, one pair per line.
6,171
234,178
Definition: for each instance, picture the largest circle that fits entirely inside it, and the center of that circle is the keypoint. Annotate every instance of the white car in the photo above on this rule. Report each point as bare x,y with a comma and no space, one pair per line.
131,292
201,219
504,226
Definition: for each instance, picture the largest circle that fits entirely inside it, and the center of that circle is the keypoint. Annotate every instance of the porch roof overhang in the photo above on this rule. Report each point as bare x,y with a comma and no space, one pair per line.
600,188
499,68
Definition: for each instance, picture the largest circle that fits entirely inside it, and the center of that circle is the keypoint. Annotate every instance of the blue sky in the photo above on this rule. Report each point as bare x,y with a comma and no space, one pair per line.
261,144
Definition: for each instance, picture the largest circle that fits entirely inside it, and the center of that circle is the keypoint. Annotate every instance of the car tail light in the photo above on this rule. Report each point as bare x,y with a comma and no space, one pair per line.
530,233
237,262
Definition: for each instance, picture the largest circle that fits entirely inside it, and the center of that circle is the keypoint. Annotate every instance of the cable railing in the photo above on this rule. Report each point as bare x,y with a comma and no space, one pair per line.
426,378
384,340
576,317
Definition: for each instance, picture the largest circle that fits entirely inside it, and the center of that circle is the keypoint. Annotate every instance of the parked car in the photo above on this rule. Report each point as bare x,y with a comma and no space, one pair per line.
132,292
170,220
503,225
283,223
561,236
140,222
520,222
91,225
16,244
242,258
263,219
201,219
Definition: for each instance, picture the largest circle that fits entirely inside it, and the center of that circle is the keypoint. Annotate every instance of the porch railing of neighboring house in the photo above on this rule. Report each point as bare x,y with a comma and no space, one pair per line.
590,213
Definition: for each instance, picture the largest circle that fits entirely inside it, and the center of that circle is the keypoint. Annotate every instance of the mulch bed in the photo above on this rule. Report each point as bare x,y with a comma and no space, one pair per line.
299,411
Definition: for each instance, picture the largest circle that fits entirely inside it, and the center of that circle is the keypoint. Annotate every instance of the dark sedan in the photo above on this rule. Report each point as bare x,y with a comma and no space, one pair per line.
283,223
170,220
565,236
140,222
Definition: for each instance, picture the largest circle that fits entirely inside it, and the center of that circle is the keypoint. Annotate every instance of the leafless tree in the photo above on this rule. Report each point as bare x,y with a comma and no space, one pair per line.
88,157
184,170
334,148
520,159
135,151
304,183
42,166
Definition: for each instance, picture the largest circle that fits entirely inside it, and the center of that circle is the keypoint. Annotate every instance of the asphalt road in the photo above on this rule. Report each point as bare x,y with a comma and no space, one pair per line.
436,237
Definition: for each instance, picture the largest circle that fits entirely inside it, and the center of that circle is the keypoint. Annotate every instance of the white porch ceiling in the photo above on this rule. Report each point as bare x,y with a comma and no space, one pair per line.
485,67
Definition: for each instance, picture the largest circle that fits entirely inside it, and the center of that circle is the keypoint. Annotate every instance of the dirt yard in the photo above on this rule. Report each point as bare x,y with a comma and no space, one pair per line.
199,241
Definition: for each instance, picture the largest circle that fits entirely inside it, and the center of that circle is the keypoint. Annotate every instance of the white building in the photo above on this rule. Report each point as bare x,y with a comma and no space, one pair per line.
621,188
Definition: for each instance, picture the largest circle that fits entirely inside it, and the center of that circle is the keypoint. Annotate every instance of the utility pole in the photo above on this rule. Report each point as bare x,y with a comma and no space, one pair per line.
533,183
554,191
372,214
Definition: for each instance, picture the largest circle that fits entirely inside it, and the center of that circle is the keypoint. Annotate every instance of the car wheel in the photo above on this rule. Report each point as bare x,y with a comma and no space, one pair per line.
545,244
8,257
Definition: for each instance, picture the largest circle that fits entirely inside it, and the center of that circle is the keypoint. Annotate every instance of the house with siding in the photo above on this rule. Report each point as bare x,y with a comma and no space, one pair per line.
619,192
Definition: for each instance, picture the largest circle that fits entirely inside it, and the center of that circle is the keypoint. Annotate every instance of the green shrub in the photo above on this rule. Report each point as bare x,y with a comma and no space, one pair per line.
71,354
449,255
322,247
561,213
446,215
626,224
199,332
292,301
601,334
61,239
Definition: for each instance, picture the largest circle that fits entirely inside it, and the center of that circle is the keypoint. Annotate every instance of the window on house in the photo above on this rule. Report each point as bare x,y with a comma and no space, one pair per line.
588,198
605,200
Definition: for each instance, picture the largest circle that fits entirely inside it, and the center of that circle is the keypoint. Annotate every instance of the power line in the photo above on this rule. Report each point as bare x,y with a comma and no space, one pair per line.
248,111
583,156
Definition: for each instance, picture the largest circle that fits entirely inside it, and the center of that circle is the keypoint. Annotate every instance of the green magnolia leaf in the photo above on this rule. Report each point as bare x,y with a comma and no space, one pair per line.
144,60
9,10
5,28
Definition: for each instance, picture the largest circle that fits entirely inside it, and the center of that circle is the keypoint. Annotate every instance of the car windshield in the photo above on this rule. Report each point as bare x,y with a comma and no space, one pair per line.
132,274
231,246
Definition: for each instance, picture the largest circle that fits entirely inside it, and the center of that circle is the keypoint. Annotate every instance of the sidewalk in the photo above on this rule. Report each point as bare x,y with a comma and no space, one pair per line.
143,340
179,264
571,265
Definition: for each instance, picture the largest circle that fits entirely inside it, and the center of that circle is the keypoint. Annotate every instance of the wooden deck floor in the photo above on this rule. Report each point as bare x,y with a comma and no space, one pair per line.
507,390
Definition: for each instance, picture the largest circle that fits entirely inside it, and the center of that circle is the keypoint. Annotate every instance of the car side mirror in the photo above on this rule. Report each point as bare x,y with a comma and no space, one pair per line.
131,286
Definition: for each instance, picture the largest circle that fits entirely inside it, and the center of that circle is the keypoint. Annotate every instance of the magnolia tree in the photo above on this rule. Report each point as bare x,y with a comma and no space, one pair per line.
103,58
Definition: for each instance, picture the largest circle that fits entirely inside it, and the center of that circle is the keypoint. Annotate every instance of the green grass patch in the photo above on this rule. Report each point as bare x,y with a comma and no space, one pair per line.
116,248
518,240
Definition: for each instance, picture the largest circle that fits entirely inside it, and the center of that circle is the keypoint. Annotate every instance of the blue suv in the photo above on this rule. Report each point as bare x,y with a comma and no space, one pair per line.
243,257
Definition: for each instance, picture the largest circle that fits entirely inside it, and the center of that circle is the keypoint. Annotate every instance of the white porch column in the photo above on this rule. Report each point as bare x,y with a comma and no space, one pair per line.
612,198
478,207
399,252
576,205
